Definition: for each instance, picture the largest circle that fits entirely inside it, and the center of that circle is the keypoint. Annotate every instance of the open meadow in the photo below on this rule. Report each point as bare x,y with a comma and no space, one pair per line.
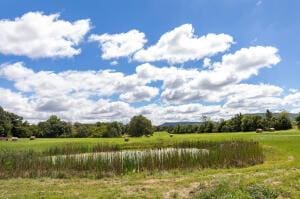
169,99
277,177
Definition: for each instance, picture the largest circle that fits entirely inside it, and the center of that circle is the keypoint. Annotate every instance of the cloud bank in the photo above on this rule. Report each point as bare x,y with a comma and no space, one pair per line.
162,92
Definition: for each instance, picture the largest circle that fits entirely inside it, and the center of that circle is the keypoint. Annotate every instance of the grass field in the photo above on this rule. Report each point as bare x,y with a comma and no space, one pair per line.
279,176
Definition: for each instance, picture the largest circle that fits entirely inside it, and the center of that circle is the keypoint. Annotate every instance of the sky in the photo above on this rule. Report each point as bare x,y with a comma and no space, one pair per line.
171,60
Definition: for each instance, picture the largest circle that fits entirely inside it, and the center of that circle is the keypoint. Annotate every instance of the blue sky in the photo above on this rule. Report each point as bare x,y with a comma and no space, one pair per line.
249,22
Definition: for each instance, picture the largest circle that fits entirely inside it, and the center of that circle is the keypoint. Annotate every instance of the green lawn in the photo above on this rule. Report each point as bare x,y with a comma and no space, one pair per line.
280,172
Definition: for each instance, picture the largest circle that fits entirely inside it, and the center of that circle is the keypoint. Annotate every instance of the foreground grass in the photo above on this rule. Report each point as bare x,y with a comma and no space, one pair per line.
280,173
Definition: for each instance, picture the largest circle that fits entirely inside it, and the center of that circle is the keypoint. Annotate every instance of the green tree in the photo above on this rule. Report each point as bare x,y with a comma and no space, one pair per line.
54,127
140,125
235,123
5,123
98,129
81,130
18,128
298,120
269,115
220,125
251,122
283,122
114,129
269,123
207,125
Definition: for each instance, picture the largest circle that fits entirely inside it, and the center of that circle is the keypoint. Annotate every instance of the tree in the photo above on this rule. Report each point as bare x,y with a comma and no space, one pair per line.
298,120
54,127
207,125
98,129
269,123
114,129
81,130
269,115
17,129
5,123
140,125
283,122
32,129
235,123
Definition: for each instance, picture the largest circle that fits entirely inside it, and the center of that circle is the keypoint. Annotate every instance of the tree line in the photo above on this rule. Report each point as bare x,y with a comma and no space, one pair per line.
237,123
14,125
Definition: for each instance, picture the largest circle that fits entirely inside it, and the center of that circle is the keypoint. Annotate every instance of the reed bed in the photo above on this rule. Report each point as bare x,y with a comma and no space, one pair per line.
71,148
110,160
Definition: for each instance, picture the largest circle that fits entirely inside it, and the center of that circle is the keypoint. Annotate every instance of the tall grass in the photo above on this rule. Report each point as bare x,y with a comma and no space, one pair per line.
71,148
114,160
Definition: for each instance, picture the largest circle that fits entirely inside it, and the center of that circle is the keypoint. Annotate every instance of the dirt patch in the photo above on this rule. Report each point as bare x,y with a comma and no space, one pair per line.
291,158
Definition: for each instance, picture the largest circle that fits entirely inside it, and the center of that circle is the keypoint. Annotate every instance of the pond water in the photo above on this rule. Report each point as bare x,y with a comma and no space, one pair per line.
136,154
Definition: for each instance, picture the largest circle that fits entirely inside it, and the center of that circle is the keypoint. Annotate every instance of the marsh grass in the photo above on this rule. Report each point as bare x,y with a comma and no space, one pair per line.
105,160
71,148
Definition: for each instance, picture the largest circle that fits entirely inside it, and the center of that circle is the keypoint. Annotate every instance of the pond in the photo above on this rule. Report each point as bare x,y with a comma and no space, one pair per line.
107,160
137,154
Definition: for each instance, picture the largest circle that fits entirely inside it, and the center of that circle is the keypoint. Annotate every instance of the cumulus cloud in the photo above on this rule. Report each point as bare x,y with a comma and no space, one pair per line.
185,112
77,83
86,95
37,35
292,101
119,45
181,45
142,93
219,89
13,100
185,85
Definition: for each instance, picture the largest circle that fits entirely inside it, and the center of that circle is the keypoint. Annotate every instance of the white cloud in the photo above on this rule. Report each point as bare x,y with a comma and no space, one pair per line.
249,98
77,83
105,95
37,35
247,61
258,3
186,112
185,85
12,100
114,63
142,93
119,45
207,63
86,95
292,102
181,45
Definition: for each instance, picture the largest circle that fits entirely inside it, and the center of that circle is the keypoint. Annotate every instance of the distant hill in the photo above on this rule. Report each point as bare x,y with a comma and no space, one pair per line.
291,115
